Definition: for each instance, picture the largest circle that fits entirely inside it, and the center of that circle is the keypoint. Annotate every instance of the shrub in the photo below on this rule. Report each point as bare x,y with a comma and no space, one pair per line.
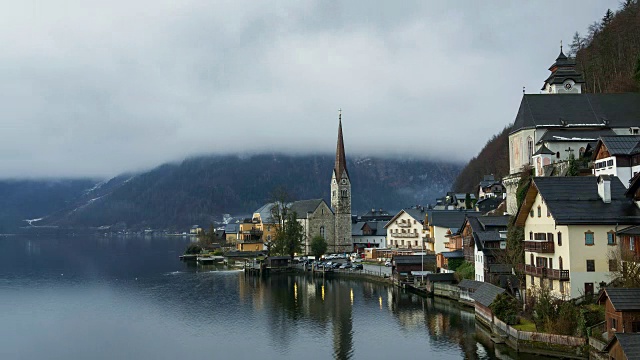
506,308
193,249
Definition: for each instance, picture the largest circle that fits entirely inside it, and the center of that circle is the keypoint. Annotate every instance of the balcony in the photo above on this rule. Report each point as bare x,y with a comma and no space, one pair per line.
543,247
428,239
403,224
404,235
544,272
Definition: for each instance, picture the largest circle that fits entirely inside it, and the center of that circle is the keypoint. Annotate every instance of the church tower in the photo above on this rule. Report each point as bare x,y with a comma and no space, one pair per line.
341,198
564,78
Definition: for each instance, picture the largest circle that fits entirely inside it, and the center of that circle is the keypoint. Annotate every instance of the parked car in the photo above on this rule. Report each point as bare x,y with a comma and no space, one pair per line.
346,266
387,263
335,265
358,267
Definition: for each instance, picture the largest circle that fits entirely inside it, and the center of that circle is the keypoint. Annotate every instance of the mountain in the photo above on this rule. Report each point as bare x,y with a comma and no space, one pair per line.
200,190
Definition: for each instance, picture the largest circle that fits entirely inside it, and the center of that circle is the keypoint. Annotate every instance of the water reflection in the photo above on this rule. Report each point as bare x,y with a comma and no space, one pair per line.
137,289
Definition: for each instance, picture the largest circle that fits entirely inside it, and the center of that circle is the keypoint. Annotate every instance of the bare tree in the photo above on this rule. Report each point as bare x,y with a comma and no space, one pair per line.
624,268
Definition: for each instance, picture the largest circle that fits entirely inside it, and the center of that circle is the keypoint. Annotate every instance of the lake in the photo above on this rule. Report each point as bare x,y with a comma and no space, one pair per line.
131,298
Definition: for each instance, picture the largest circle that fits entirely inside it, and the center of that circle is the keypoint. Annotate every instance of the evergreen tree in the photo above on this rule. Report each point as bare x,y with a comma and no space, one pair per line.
606,20
318,246
573,166
576,45
288,237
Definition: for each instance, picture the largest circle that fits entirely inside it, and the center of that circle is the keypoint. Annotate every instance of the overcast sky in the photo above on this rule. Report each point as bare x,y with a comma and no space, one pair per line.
96,88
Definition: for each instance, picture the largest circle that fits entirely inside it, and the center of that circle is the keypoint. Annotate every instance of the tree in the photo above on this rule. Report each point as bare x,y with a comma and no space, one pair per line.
467,201
637,74
576,45
606,20
279,200
506,308
318,246
289,236
573,166
624,268
466,270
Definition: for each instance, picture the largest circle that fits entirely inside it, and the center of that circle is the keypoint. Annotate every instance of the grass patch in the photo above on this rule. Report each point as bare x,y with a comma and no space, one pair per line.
525,325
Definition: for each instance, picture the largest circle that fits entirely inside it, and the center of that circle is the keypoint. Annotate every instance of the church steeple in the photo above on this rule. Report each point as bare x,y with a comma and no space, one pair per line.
340,167
564,78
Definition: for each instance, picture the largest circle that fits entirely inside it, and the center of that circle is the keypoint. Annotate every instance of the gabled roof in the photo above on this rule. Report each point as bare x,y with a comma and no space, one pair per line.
265,213
575,200
449,218
629,342
620,144
302,207
574,134
486,293
544,110
231,228
543,150
622,299
417,213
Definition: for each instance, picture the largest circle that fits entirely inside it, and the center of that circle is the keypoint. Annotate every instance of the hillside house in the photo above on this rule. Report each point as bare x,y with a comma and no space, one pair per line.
369,234
489,187
441,223
569,229
617,156
483,242
622,310
403,265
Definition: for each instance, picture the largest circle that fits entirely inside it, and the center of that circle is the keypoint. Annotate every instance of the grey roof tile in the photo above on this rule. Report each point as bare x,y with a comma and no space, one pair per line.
575,200
622,144
486,293
624,299
302,207
630,344
573,134
620,110
470,284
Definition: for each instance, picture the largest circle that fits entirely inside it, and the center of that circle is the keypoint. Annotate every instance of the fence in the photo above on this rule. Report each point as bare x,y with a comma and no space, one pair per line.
527,339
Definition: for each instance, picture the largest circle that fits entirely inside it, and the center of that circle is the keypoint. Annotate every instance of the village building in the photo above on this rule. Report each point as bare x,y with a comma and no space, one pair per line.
569,228
316,219
375,215
622,310
488,204
440,224
404,267
565,121
617,156
231,233
483,243
368,234
624,347
489,187
406,230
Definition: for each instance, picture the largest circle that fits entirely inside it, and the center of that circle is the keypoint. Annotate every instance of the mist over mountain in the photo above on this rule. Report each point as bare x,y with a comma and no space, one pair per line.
199,190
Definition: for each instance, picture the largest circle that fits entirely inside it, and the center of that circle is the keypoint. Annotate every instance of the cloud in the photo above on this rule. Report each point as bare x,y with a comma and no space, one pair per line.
98,88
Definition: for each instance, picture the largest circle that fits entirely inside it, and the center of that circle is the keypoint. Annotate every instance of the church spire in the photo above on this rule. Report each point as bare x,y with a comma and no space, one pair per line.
341,162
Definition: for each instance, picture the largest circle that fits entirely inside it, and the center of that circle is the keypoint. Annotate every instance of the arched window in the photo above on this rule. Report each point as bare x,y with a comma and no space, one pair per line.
539,211
322,232
560,261
558,155
529,149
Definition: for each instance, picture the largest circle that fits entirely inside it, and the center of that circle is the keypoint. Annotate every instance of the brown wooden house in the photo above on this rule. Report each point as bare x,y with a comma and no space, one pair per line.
403,265
622,310
624,347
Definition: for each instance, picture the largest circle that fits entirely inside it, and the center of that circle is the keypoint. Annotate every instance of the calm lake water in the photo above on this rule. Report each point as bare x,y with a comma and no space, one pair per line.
131,298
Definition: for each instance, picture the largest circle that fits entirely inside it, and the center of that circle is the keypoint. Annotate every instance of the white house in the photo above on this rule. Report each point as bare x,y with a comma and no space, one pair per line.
406,230
617,156
569,230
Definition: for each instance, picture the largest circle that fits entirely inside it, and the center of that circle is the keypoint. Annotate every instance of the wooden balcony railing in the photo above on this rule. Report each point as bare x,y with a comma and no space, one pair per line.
544,272
404,235
544,247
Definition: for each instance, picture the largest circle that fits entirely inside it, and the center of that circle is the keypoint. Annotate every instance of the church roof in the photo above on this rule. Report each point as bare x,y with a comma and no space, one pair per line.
341,161
578,110
573,134
544,151
302,207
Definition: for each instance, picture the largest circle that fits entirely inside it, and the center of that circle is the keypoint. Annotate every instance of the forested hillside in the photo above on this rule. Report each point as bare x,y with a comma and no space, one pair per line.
609,58
200,190
609,54
492,159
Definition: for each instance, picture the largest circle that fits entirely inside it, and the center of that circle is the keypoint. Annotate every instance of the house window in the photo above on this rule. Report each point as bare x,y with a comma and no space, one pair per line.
588,238
531,213
635,326
530,235
540,237
322,232
550,237
559,238
539,211
611,238
533,280
558,155
560,261
614,323
632,244
613,265
550,284
591,265
529,148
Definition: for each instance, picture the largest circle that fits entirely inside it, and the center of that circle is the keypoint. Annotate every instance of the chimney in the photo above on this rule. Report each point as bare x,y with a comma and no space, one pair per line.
604,188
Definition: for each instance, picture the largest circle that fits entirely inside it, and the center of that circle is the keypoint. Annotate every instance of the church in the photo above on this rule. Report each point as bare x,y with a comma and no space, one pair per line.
317,218
563,121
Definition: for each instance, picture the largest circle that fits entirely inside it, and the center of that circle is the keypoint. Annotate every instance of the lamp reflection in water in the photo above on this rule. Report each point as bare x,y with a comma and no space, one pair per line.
322,292
380,300
351,297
